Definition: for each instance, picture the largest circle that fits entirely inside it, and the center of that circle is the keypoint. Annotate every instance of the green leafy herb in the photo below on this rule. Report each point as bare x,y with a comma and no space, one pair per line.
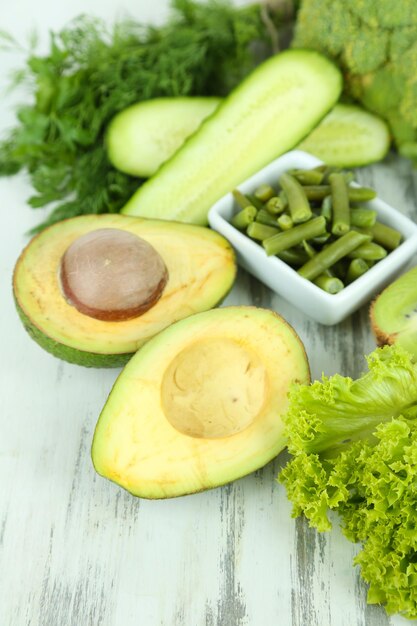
92,73
354,447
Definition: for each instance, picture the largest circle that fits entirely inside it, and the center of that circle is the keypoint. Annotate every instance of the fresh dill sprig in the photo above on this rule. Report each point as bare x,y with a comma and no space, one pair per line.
92,72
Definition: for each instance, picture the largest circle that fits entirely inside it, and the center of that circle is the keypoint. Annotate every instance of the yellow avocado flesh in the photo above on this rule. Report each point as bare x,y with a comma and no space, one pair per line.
200,265
200,404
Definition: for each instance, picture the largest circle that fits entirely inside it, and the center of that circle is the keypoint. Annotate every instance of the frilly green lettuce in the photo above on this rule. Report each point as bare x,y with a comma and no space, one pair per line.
354,447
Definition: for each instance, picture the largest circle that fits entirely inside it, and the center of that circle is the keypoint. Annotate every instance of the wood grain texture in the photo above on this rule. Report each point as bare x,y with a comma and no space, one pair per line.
75,550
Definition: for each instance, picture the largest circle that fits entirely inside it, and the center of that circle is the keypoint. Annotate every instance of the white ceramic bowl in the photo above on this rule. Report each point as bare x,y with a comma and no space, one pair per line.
281,278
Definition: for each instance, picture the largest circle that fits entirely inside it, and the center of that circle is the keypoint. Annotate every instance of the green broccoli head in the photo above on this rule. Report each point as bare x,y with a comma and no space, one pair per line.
375,44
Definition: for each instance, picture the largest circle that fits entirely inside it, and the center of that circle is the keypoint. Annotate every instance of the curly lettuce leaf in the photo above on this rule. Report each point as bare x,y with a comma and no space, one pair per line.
331,413
354,447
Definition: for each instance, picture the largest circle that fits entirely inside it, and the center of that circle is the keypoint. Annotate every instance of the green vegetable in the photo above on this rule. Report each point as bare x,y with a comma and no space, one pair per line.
317,192
254,201
143,136
283,241
285,222
298,203
245,217
327,208
348,137
309,249
308,177
333,253
242,200
386,236
270,111
263,217
326,245
356,194
264,193
356,268
261,231
363,218
320,282
369,251
354,451
374,44
330,284
275,205
293,256
340,204
91,73
361,194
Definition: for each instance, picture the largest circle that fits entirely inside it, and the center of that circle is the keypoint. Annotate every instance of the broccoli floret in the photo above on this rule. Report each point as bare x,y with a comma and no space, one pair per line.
375,44
367,52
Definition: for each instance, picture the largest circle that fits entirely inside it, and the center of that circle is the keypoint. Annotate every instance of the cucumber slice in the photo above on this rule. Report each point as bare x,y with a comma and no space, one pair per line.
140,138
348,137
269,113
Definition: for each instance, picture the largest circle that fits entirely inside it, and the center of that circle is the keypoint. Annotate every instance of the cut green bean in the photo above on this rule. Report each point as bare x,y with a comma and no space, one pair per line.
356,194
330,284
283,198
263,217
275,205
298,203
326,208
245,217
330,169
362,218
386,236
335,251
260,231
311,252
242,200
357,267
321,239
283,241
316,192
255,201
264,192
308,177
361,194
285,222
311,209
293,256
340,204
369,251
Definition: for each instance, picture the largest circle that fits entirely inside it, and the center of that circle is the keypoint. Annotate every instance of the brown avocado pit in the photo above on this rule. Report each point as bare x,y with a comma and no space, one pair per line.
112,275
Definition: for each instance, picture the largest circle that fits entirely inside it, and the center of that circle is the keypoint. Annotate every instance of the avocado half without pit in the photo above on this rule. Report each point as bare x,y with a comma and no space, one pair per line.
200,404
93,289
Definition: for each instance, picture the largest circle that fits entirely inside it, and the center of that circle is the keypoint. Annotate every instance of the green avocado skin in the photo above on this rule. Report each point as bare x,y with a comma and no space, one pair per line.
72,355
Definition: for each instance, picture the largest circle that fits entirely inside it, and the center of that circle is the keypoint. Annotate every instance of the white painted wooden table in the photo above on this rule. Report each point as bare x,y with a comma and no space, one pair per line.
76,550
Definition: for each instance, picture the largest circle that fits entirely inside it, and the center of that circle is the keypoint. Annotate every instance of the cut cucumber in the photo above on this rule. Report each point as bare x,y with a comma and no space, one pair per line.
348,137
268,114
140,138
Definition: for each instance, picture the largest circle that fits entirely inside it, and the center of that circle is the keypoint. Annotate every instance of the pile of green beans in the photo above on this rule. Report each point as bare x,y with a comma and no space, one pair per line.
316,222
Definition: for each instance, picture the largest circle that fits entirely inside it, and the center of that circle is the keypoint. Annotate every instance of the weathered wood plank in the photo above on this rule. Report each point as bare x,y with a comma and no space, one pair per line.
75,550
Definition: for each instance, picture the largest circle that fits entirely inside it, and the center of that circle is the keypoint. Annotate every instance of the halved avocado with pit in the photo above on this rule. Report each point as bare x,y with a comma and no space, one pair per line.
200,404
198,270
